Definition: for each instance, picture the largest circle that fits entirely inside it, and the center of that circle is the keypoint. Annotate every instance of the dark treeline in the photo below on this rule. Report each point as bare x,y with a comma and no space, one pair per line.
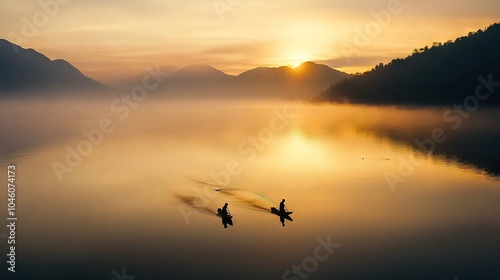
443,74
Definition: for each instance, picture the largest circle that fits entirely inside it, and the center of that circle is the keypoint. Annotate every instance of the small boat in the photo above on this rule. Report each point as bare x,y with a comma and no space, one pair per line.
227,219
283,215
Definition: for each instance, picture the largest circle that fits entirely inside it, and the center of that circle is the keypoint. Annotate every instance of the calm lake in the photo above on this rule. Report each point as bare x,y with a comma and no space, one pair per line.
104,186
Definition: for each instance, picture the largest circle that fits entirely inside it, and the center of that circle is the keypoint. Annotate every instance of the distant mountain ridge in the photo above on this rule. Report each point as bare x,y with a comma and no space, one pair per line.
443,74
303,82
28,72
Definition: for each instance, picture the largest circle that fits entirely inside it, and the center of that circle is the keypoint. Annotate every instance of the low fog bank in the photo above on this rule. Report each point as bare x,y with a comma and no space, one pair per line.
468,136
139,94
59,94
34,123
471,137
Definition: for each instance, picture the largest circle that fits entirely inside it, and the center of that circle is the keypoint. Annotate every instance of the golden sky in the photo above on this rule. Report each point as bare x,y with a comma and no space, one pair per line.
109,39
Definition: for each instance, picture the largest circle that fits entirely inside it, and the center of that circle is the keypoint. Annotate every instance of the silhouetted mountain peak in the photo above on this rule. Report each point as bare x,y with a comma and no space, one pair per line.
306,65
4,43
66,66
200,69
28,71
266,72
314,71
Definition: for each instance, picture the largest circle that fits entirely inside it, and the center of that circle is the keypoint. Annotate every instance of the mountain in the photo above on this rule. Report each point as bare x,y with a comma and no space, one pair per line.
200,72
303,82
27,72
443,74
126,83
202,80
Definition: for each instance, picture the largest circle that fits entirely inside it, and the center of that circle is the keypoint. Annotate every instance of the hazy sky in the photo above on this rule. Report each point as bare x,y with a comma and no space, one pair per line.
112,38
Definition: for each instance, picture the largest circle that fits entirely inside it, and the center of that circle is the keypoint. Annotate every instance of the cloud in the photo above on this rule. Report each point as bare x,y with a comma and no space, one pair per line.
115,38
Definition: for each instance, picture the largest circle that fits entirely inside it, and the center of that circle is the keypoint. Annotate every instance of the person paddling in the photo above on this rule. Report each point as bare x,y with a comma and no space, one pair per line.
282,206
224,210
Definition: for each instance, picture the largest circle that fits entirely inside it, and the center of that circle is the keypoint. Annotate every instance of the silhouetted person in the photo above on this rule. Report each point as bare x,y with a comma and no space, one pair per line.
282,213
224,210
225,216
282,206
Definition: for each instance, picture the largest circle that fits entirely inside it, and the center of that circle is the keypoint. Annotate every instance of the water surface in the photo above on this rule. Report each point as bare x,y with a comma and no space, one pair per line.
117,203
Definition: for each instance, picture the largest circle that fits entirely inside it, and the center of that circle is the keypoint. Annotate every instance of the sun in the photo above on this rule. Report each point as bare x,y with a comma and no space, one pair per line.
298,57
296,63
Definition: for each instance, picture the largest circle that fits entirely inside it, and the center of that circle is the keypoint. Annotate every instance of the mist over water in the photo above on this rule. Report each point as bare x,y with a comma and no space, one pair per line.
108,188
